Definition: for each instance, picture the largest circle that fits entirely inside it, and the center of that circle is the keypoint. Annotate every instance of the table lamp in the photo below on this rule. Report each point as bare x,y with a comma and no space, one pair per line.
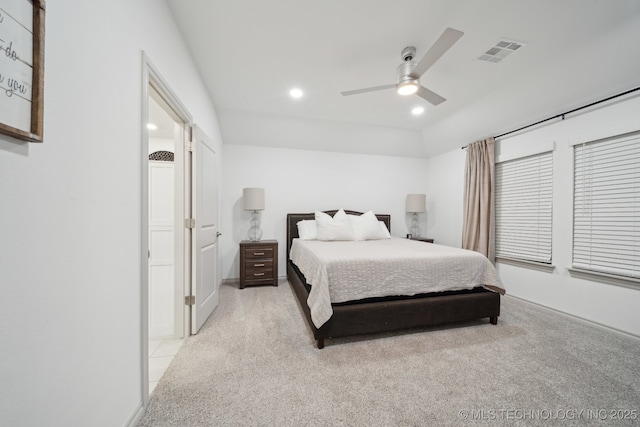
253,199
416,203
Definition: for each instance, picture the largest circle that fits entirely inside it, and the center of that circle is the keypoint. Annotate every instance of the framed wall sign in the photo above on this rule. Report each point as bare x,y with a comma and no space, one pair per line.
22,68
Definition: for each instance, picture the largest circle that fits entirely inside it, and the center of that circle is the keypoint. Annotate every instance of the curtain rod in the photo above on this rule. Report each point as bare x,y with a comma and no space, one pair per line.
566,112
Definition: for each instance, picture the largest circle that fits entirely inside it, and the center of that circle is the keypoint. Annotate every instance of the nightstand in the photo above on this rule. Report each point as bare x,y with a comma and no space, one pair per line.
258,263
423,239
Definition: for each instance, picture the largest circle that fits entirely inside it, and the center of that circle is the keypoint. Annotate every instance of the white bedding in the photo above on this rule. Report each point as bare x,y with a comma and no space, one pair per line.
340,271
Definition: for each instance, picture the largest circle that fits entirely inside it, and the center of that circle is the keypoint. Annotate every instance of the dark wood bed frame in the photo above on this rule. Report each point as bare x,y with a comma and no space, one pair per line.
375,315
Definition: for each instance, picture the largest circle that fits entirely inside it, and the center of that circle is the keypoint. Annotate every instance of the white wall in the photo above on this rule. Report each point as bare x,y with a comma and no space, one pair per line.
70,214
607,304
445,177
305,181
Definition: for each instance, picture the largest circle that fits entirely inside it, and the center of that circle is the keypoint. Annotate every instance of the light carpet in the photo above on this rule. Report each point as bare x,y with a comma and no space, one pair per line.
254,363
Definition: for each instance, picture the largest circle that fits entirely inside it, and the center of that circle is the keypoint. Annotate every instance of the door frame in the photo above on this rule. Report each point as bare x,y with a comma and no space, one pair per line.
151,77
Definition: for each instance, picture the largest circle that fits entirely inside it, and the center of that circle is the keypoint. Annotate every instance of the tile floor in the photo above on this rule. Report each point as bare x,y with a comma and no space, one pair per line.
161,352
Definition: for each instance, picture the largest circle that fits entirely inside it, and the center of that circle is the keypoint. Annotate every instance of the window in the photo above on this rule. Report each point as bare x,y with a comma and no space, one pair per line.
524,198
606,206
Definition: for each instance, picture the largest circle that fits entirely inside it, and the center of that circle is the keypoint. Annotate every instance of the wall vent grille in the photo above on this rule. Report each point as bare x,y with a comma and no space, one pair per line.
500,50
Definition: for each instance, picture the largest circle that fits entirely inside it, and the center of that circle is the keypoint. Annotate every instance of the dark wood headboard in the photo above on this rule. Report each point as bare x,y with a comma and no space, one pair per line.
294,218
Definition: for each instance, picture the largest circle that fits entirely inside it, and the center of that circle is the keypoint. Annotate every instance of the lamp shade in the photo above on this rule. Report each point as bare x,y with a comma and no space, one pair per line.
416,202
253,199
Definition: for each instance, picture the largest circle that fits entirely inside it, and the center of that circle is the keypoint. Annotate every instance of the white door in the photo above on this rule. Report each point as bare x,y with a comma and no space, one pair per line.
204,202
161,254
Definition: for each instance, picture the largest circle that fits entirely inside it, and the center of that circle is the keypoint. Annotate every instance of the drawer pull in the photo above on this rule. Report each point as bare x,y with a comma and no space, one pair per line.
258,265
258,253
258,274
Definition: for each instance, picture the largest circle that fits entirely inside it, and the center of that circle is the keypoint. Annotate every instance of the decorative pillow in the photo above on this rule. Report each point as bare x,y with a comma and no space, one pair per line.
365,226
307,230
336,228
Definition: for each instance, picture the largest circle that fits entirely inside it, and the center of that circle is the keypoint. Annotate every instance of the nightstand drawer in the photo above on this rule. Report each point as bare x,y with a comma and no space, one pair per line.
258,265
258,274
258,252
261,270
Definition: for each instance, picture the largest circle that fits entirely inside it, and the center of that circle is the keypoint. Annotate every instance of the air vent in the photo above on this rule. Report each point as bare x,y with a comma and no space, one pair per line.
500,50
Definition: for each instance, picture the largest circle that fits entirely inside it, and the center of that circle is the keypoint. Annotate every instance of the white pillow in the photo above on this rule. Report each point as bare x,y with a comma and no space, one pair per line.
307,230
384,231
365,226
336,228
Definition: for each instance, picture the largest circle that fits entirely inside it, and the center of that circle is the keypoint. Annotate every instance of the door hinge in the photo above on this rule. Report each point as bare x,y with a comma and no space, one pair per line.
190,300
189,146
190,223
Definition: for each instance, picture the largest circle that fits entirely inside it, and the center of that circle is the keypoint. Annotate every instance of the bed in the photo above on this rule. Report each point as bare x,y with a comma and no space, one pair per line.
375,314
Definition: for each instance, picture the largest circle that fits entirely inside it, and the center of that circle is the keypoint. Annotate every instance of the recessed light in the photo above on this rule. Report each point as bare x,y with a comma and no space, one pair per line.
151,126
296,93
417,111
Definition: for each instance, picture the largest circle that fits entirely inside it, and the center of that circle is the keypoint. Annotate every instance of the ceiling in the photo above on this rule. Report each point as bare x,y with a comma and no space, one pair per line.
251,53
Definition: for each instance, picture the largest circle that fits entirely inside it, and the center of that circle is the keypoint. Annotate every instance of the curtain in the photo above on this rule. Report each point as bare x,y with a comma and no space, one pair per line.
478,228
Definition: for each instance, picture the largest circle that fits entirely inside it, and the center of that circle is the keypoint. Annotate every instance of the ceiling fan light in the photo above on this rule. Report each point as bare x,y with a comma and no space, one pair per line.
407,87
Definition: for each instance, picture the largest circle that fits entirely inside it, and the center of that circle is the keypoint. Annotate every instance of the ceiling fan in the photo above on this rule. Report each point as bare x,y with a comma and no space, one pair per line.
409,72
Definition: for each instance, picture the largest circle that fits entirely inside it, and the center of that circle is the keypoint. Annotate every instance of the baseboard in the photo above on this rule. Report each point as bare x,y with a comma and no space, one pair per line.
135,418
583,319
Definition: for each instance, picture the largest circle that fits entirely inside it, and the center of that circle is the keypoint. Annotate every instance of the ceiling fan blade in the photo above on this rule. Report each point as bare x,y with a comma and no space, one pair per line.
367,89
443,44
429,96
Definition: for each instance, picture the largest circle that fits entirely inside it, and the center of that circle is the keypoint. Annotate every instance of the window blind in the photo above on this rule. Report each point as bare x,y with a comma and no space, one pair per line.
606,206
524,200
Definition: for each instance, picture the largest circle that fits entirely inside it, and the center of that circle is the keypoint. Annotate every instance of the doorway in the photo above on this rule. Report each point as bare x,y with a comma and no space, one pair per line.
188,215
166,287
165,247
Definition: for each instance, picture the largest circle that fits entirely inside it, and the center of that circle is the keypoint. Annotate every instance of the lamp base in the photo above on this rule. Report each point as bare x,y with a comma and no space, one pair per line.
415,228
255,232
